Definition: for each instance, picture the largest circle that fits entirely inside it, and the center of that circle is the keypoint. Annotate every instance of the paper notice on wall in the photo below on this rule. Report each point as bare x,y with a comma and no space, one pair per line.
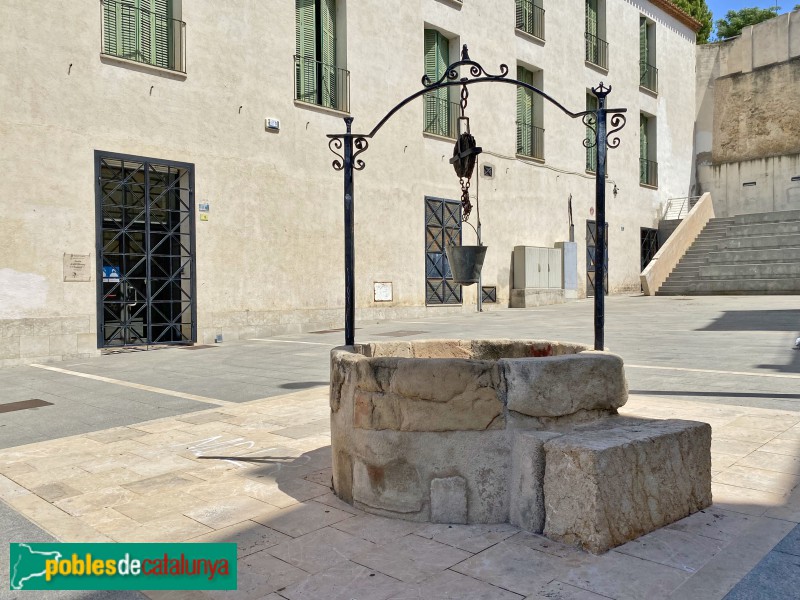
76,267
383,291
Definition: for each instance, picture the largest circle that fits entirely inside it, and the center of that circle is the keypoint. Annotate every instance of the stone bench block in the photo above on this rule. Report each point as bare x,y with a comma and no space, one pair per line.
606,487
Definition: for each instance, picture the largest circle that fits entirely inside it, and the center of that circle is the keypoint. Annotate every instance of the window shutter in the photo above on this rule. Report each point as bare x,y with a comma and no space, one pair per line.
524,113
128,29
328,46
591,17
110,20
643,53
161,33
591,153
306,49
437,106
643,121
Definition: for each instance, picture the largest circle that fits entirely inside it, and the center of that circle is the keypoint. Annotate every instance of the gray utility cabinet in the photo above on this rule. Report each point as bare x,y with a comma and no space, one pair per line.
536,267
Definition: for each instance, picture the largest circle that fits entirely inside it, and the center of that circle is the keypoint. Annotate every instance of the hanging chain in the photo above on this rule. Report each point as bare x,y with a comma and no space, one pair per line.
466,205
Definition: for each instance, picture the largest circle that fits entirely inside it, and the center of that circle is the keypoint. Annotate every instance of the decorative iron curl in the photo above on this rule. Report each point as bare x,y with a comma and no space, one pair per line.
360,144
618,121
475,69
336,144
591,122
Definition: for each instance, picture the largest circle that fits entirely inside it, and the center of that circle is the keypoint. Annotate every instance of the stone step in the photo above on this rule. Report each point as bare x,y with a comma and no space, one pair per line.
751,271
763,241
753,256
770,217
774,228
732,287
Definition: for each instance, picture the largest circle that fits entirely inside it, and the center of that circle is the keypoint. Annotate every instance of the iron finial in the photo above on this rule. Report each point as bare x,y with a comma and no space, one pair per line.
464,53
601,90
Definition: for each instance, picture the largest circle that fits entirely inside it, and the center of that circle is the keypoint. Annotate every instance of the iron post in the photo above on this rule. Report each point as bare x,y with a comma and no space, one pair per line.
600,220
349,239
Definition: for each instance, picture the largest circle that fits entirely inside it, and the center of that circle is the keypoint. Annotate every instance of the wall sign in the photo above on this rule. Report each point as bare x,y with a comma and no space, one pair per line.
76,267
383,291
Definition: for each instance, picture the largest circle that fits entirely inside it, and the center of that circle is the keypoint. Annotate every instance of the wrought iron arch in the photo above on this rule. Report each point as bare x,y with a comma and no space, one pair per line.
349,146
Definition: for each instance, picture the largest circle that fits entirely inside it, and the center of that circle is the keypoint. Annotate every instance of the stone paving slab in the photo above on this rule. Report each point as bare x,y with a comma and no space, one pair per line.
213,479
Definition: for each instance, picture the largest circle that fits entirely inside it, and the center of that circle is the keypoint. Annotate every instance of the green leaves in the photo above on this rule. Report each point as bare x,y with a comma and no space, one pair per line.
736,20
700,11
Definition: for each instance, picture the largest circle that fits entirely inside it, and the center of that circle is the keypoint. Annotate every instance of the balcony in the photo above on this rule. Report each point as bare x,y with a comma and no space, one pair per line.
530,18
596,51
530,140
648,77
648,172
143,36
441,116
321,84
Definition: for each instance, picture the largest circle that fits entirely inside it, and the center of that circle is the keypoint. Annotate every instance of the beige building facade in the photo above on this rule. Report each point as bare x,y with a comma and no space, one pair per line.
167,178
748,119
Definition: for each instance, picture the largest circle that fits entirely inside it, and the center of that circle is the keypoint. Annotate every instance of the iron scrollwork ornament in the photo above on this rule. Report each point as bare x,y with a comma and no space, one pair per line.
617,122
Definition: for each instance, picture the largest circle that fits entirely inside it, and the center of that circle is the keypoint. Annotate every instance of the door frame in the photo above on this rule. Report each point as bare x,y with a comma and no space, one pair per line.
99,155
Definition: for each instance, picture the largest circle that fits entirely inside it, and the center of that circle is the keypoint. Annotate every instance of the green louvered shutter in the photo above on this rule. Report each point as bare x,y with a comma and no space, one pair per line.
328,45
161,33
437,105
592,49
128,29
643,52
306,50
643,149
591,152
110,19
525,101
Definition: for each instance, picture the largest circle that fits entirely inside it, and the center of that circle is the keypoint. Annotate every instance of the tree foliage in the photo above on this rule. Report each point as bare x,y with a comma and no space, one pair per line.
700,11
736,20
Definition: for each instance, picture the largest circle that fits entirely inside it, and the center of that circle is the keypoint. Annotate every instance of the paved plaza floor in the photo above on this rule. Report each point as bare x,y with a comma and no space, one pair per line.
232,443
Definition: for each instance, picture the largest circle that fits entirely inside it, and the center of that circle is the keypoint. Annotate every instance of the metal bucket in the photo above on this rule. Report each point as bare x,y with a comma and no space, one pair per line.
466,262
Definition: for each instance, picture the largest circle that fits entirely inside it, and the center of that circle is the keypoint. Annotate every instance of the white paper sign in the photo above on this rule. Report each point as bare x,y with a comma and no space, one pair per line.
383,291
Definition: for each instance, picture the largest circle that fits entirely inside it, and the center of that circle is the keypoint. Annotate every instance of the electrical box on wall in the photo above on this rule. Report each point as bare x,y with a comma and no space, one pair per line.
273,124
488,171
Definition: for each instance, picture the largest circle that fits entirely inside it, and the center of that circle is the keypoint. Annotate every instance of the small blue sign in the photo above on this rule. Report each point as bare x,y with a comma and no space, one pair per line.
110,274
204,207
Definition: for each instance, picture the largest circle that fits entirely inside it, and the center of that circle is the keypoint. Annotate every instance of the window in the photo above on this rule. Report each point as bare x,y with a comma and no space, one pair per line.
591,150
318,77
440,114
648,167
530,17
144,31
530,134
648,74
596,46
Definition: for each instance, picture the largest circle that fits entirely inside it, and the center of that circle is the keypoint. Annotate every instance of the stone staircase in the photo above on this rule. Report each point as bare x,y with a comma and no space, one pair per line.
745,254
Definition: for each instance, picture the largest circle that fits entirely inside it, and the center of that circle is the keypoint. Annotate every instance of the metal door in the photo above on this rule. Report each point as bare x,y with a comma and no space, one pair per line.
649,246
145,251
591,248
442,224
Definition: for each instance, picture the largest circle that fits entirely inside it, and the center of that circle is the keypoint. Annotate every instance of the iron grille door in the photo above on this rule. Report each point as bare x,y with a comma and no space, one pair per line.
145,251
591,248
649,246
442,224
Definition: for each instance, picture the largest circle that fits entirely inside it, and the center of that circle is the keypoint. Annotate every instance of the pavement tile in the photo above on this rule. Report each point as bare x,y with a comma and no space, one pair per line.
323,477
472,538
148,486
206,416
55,491
778,424
744,434
715,523
745,500
36,478
556,590
287,493
758,479
90,482
379,530
115,434
345,581
92,501
412,558
108,521
673,548
300,519
321,549
542,544
783,446
513,567
783,463
260,574
149,508
250,537
733,447
449,585
329,499
224,512
174,528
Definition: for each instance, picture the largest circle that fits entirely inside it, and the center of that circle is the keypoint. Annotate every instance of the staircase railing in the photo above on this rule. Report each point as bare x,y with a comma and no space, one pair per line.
668,256
678,208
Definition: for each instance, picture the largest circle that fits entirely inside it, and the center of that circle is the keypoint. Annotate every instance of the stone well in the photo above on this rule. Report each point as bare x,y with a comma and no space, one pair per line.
493,431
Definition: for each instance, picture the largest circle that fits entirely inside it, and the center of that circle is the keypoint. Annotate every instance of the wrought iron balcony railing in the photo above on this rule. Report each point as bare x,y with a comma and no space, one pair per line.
648,77
441,116
324,85
648,172
530,140
596,51
143,36
530,18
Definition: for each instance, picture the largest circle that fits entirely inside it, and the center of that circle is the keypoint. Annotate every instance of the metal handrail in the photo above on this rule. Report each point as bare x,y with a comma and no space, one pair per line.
596,51
531,144
322,84
143,36
440,116
648,172
678,208
648,76
530,18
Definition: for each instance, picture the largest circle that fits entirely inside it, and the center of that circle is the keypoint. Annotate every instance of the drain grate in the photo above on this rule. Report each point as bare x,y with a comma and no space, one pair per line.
23,405
401,333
